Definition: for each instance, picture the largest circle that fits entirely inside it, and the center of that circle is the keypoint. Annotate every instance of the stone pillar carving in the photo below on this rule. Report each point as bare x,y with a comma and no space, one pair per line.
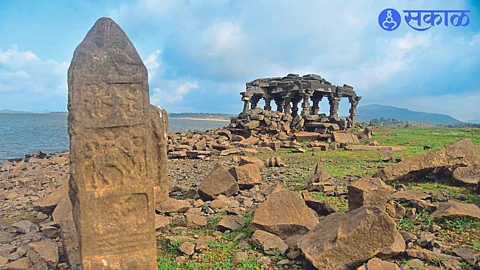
334,102
353,108
267,106
316,105
115,149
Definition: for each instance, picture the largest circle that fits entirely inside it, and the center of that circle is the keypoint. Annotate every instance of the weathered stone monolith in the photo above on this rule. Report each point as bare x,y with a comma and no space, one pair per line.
114,157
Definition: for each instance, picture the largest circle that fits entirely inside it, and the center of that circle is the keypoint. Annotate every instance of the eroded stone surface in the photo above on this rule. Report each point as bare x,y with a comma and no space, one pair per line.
113,158
344,241
461,153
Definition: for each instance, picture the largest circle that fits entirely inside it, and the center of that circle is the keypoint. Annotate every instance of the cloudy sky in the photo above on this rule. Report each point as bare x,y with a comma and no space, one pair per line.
200,53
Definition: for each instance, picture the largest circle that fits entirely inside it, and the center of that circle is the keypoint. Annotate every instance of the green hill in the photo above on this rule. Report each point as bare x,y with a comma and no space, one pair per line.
368,112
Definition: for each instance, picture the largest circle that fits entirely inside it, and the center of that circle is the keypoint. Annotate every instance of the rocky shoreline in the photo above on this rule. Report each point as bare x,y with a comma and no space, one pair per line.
240,200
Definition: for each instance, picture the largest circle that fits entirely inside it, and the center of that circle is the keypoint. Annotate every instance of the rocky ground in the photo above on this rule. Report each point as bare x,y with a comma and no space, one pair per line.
257,206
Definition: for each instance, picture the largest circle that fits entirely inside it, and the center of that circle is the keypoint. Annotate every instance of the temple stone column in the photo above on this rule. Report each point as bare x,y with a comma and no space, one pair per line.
316,105
306,104
353,108
245,100
267,106
295,107
254,102
288,106
280,104
334,102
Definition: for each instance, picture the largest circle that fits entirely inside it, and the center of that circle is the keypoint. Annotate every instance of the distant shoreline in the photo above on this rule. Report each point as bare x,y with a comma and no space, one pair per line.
201,119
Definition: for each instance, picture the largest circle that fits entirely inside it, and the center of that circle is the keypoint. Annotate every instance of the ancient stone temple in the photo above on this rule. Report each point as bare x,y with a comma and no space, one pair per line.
117,144
295,95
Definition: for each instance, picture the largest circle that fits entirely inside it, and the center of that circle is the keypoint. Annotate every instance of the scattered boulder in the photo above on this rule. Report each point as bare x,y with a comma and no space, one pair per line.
195,220
221,202
172,205
20,264
396,248
246,175
410,195
48,203
251,160
461,153
466,175
368,191
344,138
319,179
231,223
469,255
285,214
218,181
25,226
268,242
162,223
377,264
43,252
345,241
456,209
306,136
187,248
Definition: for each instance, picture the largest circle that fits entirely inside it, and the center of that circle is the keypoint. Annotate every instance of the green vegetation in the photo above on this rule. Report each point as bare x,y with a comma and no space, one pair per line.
344,166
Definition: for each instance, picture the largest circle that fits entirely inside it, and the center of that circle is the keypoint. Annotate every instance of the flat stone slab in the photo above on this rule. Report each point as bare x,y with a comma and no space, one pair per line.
456,209
461,153
373,148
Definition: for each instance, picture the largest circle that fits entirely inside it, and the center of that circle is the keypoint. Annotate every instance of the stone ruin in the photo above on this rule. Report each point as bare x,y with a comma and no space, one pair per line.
117,152
287,92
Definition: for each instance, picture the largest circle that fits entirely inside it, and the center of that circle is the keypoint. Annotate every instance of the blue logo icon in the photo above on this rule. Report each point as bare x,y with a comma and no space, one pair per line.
389,19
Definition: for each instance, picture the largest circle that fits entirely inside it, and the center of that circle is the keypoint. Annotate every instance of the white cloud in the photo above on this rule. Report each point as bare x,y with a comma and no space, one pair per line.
222,37
25,72
172,96
152,63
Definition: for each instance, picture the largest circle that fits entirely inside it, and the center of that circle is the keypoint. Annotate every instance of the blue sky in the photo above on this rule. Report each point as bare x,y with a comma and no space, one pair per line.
200,54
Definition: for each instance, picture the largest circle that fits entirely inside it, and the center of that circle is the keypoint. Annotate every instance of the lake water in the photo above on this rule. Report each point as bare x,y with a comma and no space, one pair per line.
29,133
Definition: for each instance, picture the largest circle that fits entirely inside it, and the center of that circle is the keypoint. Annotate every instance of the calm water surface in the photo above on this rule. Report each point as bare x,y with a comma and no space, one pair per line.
29,133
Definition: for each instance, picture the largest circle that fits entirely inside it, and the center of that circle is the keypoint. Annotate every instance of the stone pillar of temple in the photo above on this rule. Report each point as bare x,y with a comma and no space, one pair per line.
267,106
295,107
334,102
245,106
288,106
316,105
254,102
280,104
353,108
306,103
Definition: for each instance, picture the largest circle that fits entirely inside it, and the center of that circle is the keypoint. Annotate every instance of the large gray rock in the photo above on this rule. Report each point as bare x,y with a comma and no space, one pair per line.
218,181
43,252
461,153
368,191
285,214
268,242
345,241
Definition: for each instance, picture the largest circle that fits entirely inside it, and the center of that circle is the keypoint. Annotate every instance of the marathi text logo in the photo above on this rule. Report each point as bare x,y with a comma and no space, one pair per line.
421,20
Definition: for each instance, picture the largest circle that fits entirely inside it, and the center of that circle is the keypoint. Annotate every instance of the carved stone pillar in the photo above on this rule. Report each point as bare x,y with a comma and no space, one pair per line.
280,104
334,102
353,108
316,105
267,106
295,107
306,104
